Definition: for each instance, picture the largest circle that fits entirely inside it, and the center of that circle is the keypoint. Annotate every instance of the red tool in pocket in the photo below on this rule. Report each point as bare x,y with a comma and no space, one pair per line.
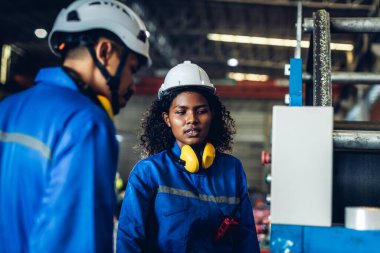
228,222
224,227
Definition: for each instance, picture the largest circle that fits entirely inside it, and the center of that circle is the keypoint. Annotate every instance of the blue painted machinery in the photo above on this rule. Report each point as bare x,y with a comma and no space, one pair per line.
310,239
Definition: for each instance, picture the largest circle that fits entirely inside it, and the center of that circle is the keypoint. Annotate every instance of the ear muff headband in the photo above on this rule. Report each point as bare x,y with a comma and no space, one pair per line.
191,160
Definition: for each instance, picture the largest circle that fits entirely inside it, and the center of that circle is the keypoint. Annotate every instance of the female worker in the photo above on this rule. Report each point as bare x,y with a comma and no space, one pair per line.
187,196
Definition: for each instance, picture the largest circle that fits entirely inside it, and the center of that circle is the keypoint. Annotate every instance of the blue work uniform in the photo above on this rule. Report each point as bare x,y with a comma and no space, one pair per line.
58,159
167,209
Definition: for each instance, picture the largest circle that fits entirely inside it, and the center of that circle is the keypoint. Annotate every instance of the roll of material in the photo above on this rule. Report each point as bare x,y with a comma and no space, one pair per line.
362,218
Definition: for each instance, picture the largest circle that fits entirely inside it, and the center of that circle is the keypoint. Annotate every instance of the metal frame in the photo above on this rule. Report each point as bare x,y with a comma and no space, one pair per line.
321,26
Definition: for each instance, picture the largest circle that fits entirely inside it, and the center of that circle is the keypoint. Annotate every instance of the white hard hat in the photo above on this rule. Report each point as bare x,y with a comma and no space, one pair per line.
184,75
109,15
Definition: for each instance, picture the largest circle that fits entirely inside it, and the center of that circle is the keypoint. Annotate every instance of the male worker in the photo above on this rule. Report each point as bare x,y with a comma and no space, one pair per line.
58,153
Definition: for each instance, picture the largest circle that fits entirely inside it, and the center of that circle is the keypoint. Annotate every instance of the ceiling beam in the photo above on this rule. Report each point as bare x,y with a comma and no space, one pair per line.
242,62
357,5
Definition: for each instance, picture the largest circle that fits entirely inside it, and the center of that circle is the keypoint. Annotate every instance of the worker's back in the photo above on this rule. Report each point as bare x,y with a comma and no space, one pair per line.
42,131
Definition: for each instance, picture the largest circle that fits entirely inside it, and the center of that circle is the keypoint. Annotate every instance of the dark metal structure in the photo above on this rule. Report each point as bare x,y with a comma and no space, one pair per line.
179,30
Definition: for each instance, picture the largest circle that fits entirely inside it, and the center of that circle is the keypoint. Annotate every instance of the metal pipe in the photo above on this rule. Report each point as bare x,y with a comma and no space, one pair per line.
322,88
349,78
348,25
348,139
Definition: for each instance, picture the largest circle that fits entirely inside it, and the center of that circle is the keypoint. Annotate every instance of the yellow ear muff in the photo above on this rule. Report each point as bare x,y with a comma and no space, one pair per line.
191,160
106,105
208,156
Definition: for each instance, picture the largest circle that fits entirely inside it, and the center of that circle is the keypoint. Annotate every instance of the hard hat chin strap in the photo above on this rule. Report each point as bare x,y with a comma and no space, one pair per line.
112,81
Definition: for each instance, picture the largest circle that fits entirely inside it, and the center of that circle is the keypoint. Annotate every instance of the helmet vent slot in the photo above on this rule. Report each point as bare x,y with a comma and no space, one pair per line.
126,12
73,16
142,36
95,3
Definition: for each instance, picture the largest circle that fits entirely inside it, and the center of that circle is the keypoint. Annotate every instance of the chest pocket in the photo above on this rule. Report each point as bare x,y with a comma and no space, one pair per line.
171,204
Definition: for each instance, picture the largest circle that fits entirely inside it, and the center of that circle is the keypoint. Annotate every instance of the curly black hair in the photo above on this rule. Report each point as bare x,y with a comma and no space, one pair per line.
156,136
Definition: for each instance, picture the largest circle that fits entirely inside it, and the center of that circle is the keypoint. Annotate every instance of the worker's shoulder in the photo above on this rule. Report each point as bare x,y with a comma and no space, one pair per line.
70,107
151,164
150,161
226,157
74,106
51,101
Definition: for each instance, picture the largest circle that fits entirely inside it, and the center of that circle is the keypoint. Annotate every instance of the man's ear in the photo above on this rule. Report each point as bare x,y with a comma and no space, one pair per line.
103,50
166,119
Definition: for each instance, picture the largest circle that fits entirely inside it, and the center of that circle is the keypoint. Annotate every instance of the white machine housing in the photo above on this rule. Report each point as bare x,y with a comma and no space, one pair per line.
302,174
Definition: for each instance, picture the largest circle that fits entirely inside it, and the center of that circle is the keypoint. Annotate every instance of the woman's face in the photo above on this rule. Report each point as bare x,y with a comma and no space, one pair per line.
189,118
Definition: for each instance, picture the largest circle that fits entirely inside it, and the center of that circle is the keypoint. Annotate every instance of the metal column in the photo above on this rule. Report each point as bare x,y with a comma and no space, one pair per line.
322,87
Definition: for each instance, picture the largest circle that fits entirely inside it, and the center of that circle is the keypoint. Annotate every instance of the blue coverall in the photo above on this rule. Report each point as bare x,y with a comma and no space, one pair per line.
167,209
58,159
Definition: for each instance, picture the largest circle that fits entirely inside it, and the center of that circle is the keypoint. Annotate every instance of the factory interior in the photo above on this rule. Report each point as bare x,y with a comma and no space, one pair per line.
301,80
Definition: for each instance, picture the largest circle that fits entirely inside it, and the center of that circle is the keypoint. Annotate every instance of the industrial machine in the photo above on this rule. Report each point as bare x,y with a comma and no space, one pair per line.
325,186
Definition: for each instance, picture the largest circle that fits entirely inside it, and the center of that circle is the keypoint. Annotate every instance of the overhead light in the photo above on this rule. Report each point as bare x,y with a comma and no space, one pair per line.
232,62
40,33
272,41
246,76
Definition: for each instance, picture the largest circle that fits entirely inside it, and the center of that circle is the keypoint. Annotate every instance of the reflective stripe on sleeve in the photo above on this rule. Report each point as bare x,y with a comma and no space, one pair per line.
26,141
203,197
